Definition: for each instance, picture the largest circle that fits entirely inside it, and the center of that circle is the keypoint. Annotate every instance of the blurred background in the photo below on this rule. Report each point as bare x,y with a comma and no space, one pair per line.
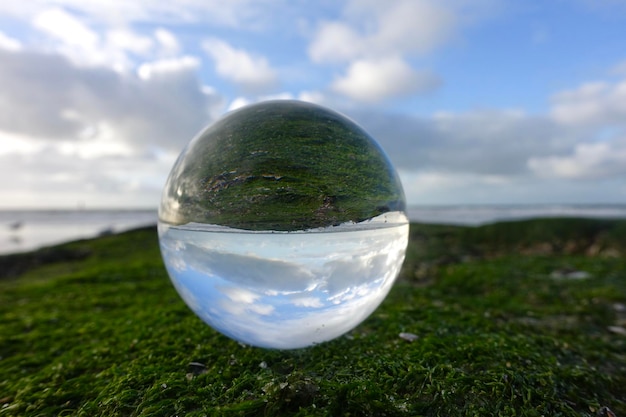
489,109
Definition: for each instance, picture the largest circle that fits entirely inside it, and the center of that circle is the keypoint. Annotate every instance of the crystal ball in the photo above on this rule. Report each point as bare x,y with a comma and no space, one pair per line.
283,225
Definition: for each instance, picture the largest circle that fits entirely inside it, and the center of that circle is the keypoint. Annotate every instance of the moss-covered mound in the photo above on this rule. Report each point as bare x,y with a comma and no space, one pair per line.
512,319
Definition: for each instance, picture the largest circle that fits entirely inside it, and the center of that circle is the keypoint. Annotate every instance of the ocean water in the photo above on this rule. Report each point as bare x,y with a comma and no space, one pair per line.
479,215
24,230
47,227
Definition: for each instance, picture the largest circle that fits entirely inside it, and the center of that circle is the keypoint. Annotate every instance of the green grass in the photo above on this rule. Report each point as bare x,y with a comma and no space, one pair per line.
99,331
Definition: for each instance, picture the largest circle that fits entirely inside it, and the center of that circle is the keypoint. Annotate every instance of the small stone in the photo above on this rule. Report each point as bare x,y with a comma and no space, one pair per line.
409,337
619,307
263,365
606,412
197,368
617,330
570,274
578,275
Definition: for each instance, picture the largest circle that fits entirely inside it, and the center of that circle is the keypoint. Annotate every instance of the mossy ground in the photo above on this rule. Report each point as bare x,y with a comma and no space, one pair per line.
504,326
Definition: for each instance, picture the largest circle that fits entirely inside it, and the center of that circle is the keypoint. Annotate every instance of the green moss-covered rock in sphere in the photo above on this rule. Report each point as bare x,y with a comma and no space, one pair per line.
281,165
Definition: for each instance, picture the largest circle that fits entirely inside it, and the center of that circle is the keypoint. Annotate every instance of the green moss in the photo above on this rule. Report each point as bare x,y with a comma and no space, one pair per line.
281,165
499,333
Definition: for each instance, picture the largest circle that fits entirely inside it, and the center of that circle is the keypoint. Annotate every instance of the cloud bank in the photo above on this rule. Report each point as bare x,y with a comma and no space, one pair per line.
97,100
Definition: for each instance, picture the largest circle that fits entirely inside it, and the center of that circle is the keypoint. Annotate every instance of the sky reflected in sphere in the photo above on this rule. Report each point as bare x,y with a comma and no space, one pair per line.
286,289
283,225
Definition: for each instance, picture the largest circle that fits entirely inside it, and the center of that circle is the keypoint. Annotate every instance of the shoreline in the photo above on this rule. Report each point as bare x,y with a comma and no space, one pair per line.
565,236
26,230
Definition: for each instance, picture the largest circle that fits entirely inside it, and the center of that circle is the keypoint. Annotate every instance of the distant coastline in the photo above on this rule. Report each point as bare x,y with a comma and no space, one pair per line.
44,227
475,215
24,230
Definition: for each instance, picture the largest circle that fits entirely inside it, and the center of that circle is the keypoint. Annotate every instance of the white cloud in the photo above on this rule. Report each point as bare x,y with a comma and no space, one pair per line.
48,178
371,29
9,44
164,110
335,42
110,133
484,142
244,101
86,43
316,97
591,104
588,161
167,66
596,112
444,186
411,26
167,41
243,14
380,79
239,295
471,189
238,103
251,72
16,144
126,40
374,40
310,302
103,141
65,27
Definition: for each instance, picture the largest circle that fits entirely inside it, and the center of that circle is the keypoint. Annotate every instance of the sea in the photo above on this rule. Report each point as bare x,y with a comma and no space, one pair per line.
25,230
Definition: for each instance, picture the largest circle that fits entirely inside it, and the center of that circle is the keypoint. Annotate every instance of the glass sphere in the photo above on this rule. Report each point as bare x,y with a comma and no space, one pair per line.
283,225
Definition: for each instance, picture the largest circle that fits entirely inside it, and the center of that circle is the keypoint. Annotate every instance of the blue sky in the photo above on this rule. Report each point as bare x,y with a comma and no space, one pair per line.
475,102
